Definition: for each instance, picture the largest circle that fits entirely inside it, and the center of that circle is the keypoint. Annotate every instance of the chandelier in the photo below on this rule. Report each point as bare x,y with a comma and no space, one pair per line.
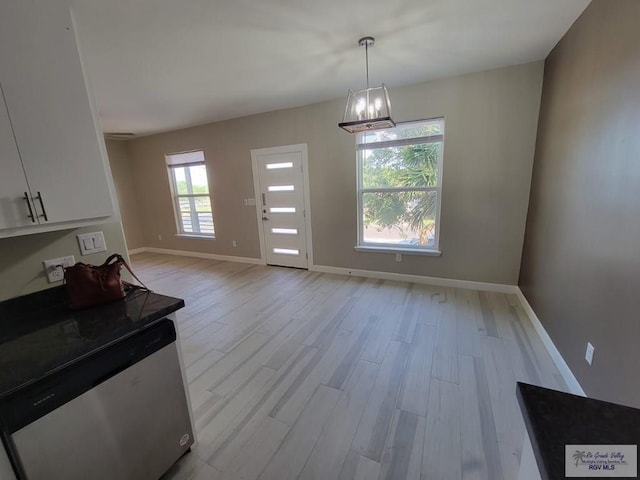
370,108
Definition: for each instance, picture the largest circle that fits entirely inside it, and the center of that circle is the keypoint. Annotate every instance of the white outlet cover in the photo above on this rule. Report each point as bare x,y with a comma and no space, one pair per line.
53,268
589,354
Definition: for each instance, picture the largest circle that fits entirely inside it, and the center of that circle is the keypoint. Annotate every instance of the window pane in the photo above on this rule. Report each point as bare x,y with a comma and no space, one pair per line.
196,215
401,219
406,166
411,130
191,180
181,182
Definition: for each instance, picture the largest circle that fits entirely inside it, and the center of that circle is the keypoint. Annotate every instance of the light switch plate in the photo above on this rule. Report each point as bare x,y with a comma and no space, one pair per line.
91,243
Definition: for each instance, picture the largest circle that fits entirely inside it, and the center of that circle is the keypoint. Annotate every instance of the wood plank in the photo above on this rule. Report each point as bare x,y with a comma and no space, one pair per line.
252,361
409,317
332,447
415,387
488,317
480,455
378,342
289,460
219,370
254,456
191,467
445,355
333,347
509,425
221,416
402,458
367,469
467,332
375,424
222,450
441,458
344,368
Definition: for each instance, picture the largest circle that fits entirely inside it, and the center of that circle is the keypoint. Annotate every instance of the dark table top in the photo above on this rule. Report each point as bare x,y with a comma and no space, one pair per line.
555,419
39,334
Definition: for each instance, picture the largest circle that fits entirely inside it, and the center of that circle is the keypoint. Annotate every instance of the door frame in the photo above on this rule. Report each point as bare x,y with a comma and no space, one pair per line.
299,148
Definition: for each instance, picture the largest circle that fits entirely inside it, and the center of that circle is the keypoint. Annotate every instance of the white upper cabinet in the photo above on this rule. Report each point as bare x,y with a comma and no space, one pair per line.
14,191
60,149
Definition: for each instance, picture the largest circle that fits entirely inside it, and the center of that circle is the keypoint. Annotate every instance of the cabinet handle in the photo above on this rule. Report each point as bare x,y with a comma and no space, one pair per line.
26,197
44,212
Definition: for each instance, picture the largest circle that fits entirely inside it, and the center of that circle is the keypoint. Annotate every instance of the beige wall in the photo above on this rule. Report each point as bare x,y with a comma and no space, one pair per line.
21,269
581,266
122,171
491,120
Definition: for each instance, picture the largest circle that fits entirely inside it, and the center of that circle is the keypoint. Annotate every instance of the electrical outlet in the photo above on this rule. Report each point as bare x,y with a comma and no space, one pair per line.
54,268
398,257
589,355
234,243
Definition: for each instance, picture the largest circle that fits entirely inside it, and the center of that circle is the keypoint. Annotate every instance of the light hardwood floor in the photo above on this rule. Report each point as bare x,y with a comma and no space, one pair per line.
296,374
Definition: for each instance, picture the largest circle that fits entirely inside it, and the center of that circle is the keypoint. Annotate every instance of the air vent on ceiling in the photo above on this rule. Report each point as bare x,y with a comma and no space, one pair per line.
119,135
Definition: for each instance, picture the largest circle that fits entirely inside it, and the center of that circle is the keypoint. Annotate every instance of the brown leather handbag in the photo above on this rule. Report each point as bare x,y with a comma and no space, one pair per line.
91,285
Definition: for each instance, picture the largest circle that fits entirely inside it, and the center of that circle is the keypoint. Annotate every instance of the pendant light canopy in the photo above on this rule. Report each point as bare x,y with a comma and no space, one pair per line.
368,109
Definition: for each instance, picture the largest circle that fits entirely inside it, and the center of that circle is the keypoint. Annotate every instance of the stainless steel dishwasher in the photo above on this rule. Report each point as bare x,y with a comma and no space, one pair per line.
119,414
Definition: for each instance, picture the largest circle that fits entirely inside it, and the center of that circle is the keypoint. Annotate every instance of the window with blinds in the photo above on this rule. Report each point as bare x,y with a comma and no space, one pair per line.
190,189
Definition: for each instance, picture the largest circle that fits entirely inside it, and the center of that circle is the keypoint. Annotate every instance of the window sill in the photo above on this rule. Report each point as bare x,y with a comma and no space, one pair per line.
405,251
195,235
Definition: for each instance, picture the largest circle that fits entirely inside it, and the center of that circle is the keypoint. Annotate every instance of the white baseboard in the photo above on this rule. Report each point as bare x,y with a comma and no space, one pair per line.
565,371
209,256
404,277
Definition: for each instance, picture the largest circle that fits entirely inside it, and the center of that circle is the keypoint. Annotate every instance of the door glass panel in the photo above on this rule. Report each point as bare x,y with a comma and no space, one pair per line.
273,166
282,209
285,231
286,251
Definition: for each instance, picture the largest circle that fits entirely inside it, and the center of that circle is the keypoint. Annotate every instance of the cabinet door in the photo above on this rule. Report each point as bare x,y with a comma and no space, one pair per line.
14,211
49,107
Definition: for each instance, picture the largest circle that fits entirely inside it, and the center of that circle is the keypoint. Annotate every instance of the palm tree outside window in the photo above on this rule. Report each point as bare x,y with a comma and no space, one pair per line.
399,186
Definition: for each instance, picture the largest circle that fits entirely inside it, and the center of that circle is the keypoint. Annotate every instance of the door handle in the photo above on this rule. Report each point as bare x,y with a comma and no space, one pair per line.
265,218
26,198
44,212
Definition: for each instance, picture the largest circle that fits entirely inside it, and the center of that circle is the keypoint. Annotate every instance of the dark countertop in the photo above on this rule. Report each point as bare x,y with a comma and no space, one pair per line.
555,419
39,334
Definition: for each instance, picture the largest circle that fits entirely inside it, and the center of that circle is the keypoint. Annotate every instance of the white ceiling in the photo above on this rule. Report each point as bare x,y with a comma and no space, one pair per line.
158,65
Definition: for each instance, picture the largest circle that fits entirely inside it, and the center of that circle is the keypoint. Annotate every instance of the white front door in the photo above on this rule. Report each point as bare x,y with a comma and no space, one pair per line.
280,200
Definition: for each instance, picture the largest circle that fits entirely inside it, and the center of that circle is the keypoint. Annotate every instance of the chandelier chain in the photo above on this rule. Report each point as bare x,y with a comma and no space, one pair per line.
366,55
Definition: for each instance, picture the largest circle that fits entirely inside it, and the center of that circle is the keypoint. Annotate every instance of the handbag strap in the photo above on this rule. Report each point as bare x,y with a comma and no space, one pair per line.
126,265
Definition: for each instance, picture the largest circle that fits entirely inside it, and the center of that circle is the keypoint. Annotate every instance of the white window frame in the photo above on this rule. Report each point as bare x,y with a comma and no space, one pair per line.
390,248
177,196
